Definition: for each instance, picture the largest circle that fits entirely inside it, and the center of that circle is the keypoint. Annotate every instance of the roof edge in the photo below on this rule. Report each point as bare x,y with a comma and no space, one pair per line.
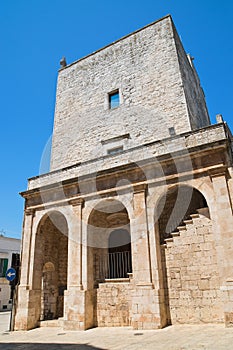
116,41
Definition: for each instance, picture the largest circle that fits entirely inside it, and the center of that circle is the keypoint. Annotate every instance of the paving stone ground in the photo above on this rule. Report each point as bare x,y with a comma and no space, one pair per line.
187,337
4,321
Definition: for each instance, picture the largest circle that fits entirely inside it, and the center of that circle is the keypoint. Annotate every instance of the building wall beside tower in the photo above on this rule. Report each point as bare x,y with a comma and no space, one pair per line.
8,248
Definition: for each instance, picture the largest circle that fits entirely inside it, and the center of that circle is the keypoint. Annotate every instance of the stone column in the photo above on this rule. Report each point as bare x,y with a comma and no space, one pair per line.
223,233
157,254
140,238
26,247
76,299
74,278
145,300
25,309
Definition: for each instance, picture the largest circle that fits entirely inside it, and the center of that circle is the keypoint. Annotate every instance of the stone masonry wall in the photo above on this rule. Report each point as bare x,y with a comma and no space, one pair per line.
144,67
192,274
114,304
194,94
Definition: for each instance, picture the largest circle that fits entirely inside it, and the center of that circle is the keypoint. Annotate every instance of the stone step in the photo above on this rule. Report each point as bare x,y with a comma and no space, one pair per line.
175,234
49,323
188,222
167,240
181,228
195,216
204,212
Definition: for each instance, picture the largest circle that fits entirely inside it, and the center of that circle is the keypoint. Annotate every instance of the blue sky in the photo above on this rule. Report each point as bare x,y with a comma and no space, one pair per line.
35,34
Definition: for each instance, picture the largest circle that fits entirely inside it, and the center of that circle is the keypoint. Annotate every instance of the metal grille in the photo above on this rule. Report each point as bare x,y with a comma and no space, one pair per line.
113,265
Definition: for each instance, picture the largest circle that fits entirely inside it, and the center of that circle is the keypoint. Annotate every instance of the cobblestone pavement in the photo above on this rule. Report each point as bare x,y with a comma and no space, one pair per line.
188,337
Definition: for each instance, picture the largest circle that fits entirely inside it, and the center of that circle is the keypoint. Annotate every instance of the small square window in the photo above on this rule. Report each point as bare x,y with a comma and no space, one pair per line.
115,150
114,99
172,131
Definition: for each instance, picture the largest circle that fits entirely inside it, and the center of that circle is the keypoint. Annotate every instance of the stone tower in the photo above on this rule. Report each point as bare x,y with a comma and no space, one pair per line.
133,224
159,93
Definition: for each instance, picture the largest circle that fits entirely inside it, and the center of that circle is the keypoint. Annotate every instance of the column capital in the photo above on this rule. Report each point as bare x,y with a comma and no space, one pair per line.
218,171
77,202
137,188
29,211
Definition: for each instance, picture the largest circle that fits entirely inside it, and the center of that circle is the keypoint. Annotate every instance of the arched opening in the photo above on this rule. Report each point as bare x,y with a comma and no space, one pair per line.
109,242
119,254
176,206
109,263
50,265
188,262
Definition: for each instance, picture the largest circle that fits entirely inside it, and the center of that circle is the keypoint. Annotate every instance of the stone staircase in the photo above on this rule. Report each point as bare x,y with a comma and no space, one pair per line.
185,224
190,272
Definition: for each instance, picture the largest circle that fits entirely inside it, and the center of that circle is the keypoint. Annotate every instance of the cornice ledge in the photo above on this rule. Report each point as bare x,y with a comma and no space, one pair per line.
221,170
76,201
140,188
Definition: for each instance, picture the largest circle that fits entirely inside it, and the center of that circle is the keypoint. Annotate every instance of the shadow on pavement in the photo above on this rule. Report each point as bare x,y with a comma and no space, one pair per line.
44,346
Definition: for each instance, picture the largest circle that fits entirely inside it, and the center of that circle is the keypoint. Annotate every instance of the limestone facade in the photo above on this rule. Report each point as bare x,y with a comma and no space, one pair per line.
141,237
148,67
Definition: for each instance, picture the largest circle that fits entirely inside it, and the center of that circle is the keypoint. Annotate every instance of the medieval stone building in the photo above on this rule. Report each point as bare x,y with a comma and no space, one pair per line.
133,224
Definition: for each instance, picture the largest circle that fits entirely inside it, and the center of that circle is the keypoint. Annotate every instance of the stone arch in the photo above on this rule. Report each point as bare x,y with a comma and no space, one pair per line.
50,264
125,199
109,217
188,259
175,206
109,260
206,189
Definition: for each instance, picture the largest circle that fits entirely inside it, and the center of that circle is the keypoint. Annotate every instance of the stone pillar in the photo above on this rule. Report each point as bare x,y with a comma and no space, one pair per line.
140,239
26,247
26,315
74,278
145,299
223,233
158,268
76,299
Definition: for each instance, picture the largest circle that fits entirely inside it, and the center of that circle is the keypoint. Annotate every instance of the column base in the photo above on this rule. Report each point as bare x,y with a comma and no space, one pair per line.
78,309
69,325
228,317
27,309
146,308
227,297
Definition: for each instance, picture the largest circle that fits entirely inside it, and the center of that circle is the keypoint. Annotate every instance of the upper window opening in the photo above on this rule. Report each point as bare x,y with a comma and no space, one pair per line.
115,150
114,99
172,131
